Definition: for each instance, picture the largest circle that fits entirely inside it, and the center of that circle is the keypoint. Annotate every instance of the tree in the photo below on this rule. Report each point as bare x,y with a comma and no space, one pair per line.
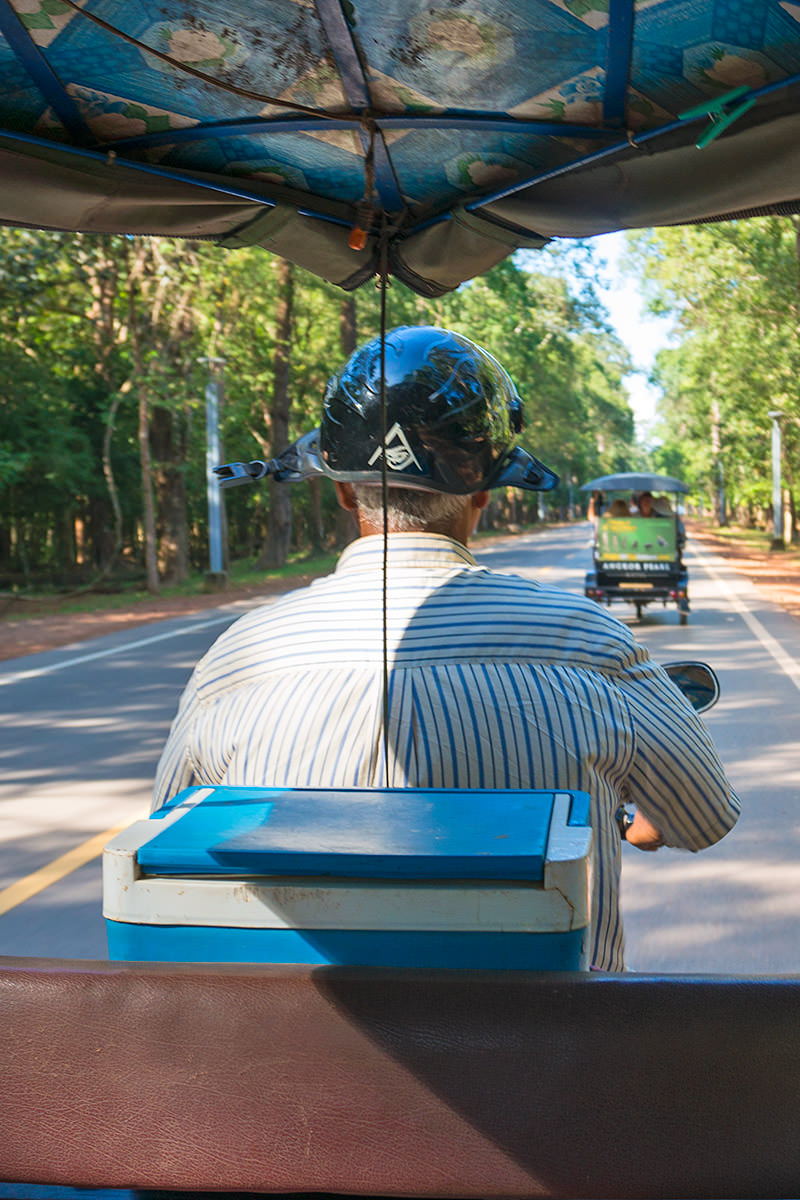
102,449
735,291
280,509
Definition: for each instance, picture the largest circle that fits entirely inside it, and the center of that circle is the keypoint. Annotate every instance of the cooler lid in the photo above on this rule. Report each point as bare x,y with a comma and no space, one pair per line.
383,833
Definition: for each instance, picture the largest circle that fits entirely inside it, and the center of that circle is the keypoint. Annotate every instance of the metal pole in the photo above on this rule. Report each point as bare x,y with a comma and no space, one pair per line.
213,490
777,494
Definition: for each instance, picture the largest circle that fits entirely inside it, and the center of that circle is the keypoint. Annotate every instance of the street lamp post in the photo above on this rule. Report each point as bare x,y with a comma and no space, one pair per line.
216,574
777,493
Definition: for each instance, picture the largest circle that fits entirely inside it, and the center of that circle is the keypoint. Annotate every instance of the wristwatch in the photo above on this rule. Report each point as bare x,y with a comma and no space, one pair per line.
624,821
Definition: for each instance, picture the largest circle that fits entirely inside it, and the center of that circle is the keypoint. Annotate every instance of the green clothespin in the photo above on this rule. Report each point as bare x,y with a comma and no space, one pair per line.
720,116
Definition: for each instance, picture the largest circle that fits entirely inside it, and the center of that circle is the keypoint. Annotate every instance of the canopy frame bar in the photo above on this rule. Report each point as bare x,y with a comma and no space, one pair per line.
631,142
494,122
356,90
620,50
43,76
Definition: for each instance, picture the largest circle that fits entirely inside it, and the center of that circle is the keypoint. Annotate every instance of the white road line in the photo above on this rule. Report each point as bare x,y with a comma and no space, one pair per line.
36,672
785,661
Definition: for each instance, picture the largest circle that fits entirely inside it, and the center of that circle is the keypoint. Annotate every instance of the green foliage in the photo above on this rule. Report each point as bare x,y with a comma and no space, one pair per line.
734,289
104,333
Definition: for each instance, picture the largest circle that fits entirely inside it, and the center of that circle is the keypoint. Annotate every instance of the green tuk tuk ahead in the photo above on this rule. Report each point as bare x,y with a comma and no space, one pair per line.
638,543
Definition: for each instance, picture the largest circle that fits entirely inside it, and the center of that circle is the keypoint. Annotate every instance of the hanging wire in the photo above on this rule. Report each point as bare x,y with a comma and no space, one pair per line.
383,284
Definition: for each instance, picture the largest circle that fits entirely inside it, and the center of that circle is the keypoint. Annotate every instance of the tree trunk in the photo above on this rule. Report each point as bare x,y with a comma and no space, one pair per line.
718,484
317,528
65,558
172,525
279,526
108,473
102,278
148,504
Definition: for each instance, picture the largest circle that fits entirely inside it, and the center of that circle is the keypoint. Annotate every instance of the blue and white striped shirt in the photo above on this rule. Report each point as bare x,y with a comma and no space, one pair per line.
494,681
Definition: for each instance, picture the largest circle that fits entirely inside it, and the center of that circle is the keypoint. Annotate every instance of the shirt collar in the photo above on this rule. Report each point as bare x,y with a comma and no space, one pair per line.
420,550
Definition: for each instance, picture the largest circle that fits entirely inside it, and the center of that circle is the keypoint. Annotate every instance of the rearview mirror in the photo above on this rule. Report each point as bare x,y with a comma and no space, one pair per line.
697,681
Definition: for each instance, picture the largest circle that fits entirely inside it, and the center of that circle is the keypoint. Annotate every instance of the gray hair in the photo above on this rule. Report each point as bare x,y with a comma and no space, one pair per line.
408,508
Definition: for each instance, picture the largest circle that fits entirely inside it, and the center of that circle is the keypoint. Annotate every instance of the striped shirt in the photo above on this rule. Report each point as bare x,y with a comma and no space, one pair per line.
494,681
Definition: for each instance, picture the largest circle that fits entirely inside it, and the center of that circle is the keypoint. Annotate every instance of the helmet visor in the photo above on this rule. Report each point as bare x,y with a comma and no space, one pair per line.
522,470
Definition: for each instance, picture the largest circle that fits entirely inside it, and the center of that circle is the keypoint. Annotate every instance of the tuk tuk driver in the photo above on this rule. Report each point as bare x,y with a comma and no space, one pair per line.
644,504
494,681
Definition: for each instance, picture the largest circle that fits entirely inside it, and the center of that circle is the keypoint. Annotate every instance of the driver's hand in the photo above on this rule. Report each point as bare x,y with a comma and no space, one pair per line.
643,833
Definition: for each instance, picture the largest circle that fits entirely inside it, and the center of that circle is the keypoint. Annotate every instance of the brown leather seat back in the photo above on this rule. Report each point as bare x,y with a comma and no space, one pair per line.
398,1083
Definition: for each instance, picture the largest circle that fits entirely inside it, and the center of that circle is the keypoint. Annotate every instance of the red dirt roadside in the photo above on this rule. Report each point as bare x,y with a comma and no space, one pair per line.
775,574
40,630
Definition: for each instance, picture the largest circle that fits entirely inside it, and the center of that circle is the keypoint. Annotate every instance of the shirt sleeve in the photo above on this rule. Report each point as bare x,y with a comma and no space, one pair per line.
175,770
676,776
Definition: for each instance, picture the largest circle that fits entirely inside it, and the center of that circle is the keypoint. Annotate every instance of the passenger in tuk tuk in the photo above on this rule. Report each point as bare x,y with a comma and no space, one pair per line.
643,502
494,681
618,508
648,505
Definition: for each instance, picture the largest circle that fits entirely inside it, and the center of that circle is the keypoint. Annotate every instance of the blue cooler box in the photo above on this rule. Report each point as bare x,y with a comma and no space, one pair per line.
391,877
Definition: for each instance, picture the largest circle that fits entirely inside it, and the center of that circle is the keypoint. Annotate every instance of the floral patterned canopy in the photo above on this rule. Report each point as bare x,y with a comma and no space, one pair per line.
435,137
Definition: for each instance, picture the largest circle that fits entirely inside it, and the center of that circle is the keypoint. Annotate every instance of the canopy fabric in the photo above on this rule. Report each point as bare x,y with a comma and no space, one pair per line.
454,133
634,481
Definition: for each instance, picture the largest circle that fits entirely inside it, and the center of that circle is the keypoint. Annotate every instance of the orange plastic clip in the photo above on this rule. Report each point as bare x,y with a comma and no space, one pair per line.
361,224
358,238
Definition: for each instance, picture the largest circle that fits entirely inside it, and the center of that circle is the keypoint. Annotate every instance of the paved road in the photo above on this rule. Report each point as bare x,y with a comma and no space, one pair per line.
81,731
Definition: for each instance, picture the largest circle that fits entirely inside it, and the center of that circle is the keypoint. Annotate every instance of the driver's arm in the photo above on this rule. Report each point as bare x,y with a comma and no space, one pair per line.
675,779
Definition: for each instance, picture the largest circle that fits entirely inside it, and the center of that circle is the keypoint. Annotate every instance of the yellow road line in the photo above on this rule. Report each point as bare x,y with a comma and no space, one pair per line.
37,881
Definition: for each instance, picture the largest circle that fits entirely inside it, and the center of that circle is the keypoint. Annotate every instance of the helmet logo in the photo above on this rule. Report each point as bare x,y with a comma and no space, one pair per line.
399,454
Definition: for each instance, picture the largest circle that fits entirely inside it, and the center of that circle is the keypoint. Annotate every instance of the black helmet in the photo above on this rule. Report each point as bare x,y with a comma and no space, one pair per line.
452,413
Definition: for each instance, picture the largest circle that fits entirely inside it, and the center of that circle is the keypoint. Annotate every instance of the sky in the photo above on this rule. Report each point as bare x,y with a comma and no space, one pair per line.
643,334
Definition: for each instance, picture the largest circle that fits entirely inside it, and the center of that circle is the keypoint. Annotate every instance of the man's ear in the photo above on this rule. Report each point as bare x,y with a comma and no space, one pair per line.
346,496
472,513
